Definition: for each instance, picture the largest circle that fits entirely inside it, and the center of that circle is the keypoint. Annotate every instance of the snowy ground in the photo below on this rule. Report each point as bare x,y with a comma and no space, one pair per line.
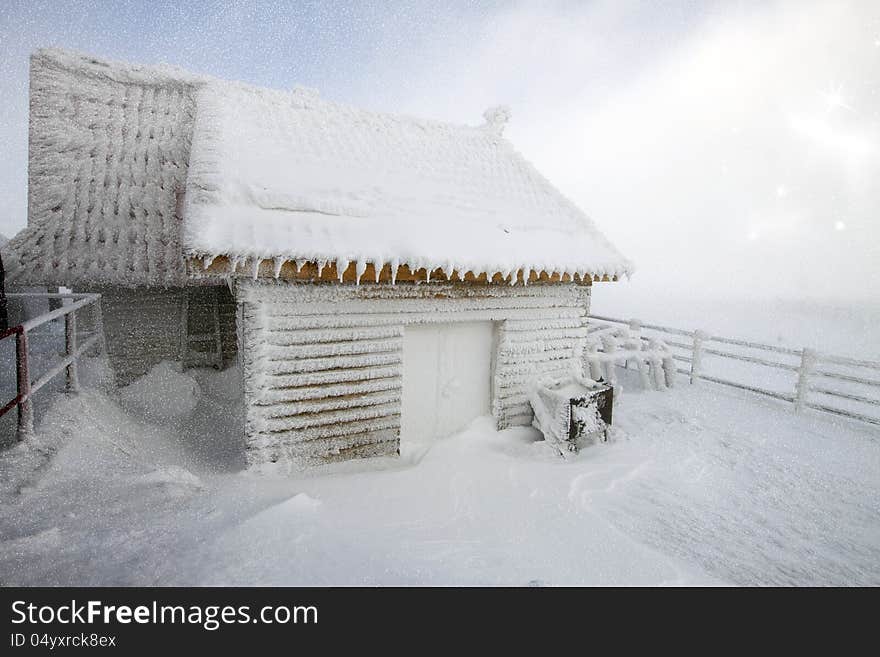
700,485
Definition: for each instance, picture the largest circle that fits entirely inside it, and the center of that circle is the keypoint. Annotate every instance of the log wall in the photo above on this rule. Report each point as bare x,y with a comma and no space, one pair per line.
323,363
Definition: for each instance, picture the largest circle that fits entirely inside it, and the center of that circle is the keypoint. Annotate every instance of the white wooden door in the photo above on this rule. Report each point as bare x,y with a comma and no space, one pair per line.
446,378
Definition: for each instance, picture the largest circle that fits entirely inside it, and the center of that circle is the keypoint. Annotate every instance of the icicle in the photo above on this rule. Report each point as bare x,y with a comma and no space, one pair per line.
526,274
427,274
378,266
207,261
321,264
279,263
296,266
340,271
359,270
234,263
395,264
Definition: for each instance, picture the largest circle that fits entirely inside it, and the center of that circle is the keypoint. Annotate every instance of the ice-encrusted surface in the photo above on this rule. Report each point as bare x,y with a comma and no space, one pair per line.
109,145
289,175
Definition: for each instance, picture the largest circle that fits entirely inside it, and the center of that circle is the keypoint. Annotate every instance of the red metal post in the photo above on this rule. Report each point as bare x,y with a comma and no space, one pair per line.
25,409
70,344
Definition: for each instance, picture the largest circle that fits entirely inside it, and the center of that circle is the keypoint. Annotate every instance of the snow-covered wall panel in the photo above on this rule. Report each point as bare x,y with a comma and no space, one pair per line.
144,326
141,328
323,363
447,373
108,152
209,308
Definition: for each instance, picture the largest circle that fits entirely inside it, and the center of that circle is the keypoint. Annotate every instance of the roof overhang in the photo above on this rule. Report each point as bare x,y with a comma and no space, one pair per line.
224,267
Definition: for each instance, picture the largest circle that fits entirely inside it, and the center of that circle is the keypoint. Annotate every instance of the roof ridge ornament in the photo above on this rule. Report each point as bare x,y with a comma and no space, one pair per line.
496,119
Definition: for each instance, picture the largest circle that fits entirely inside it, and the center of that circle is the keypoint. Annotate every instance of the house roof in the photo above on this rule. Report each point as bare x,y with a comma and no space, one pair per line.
288,175
273,175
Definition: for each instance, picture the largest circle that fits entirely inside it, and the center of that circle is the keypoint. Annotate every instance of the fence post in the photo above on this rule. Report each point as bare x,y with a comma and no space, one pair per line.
697,355
808,361
23,382
593,362
633,341
657,368
70,345
609,344
99,326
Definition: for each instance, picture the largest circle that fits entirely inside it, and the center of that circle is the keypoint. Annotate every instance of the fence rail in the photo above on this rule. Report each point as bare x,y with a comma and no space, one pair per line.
816,372
25,387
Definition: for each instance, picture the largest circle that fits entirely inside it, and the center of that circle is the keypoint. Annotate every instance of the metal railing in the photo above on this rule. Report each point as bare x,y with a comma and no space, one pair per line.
25,387
816,373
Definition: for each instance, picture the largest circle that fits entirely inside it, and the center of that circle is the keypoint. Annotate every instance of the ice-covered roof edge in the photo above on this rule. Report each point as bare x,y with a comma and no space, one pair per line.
223,267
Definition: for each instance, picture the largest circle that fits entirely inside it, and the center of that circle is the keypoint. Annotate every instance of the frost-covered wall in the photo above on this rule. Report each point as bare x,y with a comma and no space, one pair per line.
143,327
108,152
323,363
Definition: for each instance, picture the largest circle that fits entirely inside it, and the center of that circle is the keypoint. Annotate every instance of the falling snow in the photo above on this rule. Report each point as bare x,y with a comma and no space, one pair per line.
731,149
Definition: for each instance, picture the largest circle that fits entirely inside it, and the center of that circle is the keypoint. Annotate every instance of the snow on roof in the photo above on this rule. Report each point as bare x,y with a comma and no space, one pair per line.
271,174
288,175
109,145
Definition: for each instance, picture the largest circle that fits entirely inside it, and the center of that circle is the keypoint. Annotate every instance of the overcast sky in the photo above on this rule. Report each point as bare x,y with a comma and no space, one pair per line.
729,148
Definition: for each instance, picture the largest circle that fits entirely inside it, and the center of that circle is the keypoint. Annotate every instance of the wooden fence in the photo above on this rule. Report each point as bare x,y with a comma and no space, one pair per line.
25,386
848,387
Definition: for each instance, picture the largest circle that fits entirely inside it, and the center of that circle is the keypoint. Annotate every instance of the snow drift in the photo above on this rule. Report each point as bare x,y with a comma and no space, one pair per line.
698,485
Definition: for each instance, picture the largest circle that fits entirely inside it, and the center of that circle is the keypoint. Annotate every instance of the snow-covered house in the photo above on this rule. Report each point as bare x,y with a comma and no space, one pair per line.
378,275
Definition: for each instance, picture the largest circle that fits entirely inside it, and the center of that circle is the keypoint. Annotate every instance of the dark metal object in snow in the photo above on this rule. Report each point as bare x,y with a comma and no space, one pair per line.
600,398
572,412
